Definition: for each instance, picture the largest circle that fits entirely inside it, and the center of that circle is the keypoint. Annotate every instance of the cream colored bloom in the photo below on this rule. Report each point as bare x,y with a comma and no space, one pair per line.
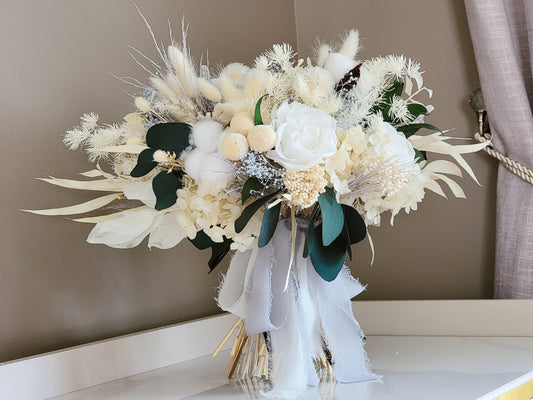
305,136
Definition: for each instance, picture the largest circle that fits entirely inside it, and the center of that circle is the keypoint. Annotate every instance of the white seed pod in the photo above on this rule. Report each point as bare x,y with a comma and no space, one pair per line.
262,138
241,123
234,146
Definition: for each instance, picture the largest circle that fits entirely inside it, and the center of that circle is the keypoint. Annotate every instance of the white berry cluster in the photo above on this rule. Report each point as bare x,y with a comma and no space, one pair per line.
305,186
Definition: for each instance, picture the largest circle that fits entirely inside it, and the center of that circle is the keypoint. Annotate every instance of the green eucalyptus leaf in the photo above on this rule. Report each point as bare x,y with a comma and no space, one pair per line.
171,136
332,216
355,224
409,130
165,186
145,163
417,110
269,224
420,156
218,252
202,241
252,184
328,260
257,116
249,212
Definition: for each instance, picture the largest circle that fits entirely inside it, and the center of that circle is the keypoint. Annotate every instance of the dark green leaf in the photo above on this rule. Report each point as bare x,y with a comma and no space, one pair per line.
346,235
420,156
409,130
202,241
145,163
252,184
416,110
395,89
332,216
328,260
165,186
269,224
384,110
257,117
355,224
218,252
171,136
250,210
310,236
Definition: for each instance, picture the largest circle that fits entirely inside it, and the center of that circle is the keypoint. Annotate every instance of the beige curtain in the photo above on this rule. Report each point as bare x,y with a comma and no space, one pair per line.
502,35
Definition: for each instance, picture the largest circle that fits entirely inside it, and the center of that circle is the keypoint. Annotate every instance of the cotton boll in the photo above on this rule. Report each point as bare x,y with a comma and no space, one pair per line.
241,123
234,146
205,134
338,65
194,163
262,138
215,168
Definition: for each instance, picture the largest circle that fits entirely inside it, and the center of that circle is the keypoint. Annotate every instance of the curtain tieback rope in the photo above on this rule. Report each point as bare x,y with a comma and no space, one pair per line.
513,166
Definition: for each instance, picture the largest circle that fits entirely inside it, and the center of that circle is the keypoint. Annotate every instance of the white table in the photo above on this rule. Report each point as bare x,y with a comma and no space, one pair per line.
413,368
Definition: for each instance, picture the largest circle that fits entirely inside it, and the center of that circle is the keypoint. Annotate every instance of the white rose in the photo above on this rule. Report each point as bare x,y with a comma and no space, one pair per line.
398,147
305,136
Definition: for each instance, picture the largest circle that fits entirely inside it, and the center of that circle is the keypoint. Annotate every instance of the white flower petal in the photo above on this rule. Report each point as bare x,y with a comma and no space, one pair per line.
305,136
126,230
166,232
140,191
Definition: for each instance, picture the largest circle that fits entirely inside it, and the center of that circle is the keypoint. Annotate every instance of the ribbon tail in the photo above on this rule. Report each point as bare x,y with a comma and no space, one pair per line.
234,291
288,361
341,331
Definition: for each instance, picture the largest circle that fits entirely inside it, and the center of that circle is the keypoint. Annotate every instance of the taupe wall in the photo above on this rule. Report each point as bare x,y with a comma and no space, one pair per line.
56,60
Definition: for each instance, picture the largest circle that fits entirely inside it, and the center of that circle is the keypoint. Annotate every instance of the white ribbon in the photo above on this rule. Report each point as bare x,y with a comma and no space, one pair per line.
298,317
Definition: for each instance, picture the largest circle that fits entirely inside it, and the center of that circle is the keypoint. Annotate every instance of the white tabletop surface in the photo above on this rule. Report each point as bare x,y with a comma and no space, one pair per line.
413,368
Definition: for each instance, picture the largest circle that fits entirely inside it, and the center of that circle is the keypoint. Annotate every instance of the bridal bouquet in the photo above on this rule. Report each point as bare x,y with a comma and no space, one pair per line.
286,161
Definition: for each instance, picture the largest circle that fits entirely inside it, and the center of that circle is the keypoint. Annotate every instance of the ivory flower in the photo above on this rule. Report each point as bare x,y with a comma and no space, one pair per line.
398,147
305,136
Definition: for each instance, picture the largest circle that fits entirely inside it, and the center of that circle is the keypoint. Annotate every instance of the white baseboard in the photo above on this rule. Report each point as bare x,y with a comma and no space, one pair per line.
65,371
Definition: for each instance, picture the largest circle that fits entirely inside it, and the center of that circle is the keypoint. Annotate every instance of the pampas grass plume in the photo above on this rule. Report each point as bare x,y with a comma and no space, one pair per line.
322,53
209,91
350,45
